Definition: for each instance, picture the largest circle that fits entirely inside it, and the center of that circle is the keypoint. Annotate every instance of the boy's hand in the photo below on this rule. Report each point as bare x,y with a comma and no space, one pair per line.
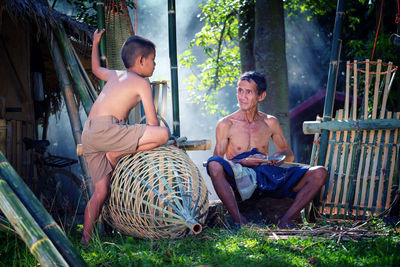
97,36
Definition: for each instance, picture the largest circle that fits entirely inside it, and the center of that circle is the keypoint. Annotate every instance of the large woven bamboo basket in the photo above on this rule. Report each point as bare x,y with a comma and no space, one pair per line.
157,194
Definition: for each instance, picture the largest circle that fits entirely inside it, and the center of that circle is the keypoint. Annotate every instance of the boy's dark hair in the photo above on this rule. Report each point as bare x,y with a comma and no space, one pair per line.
134,47
258,78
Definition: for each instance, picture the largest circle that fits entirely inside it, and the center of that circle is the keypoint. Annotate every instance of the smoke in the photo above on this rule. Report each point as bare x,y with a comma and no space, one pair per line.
307,55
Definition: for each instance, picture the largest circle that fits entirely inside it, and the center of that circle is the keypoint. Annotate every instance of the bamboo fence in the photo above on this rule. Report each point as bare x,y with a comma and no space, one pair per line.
363,147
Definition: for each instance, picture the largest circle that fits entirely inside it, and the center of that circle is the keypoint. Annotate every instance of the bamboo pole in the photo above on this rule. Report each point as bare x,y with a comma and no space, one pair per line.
74,70
312,127
395,150
174,67
39,213
371,138
69,99
30,232
332,73
102,46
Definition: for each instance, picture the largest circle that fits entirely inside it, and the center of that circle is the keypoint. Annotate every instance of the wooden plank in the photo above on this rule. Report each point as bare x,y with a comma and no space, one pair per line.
9,139
392,166
14,143
383,169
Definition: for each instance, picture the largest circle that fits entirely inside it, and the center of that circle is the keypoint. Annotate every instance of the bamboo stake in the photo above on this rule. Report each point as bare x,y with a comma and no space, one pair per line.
38,212
334,160
378,137
364,134
355,85
383,168
392,167
371,139
30,232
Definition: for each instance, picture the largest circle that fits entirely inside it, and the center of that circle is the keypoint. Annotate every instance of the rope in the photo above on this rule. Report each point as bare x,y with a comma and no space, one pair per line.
377,30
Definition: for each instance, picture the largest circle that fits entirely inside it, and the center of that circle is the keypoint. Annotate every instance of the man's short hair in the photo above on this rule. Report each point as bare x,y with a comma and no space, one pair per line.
134,47
256,77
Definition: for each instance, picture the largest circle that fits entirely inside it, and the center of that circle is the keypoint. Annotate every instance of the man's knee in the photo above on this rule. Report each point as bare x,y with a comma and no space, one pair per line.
214,169
319,175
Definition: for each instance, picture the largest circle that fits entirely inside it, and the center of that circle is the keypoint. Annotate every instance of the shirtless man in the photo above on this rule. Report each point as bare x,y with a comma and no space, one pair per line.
106,137
249,130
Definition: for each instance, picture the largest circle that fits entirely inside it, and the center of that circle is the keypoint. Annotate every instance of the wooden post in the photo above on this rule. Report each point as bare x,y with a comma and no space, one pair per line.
3,136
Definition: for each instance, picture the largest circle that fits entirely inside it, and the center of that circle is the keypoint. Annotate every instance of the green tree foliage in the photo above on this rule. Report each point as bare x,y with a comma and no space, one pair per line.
218,40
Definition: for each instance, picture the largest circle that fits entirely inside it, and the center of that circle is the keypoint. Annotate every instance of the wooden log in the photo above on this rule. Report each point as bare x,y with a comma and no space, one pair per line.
312,127
39,213
30,232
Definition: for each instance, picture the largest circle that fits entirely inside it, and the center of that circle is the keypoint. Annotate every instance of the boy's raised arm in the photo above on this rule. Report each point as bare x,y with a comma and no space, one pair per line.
100,72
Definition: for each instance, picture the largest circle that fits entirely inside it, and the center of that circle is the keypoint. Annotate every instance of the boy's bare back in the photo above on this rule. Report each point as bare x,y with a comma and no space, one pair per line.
122,92
124,89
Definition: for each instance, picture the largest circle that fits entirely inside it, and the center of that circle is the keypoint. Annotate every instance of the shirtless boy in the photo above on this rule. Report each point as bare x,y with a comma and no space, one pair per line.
243,137
106,137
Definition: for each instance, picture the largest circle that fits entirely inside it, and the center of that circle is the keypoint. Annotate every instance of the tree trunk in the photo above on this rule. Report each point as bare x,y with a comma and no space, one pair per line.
270,58
246,35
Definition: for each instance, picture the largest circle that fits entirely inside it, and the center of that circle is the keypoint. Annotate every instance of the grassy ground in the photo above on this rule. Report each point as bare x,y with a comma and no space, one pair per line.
372,244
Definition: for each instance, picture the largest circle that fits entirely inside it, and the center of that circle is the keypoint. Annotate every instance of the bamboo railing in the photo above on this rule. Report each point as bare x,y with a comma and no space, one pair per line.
362,154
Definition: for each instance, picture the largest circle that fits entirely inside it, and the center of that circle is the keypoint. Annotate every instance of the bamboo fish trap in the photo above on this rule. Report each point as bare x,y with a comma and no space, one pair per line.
157,194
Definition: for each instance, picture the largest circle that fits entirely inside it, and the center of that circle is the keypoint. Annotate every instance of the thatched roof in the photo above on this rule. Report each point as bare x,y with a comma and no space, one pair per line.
39,13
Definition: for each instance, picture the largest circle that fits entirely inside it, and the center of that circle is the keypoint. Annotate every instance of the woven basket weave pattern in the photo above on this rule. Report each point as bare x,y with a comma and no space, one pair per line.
156,194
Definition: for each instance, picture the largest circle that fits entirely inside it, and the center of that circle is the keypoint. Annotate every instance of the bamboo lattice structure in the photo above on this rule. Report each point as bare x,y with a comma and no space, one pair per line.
363,149
157,194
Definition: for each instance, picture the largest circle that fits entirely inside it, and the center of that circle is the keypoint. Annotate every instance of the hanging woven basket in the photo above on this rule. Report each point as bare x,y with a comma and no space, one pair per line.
157,194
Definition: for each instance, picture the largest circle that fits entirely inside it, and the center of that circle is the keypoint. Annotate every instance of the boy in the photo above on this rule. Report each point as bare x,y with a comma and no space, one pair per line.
106,137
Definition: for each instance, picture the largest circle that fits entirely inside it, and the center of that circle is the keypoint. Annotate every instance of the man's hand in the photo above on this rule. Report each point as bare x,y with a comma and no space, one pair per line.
97,36
277,159
253,160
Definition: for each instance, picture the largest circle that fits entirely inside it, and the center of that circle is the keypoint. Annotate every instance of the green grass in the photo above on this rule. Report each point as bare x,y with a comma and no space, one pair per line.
250,246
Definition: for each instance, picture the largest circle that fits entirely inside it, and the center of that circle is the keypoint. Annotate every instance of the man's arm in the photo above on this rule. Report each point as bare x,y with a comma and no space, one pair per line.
279,140
221,137
146,96
100,72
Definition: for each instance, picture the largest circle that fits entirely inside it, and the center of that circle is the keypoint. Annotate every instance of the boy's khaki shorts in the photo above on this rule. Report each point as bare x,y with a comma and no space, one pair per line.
103,134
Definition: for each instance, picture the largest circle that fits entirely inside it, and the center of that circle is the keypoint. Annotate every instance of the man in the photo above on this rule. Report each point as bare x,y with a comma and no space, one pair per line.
243,137
106,137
